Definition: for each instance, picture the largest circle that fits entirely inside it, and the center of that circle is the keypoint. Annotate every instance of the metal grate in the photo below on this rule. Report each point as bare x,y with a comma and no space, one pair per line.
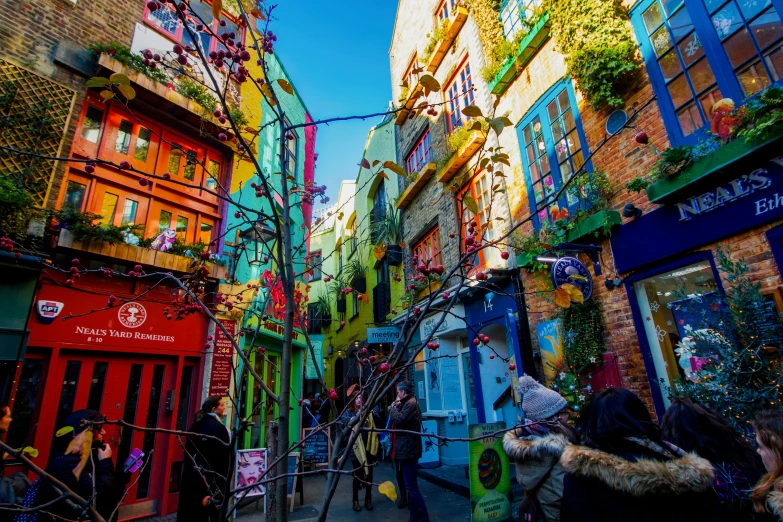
34,114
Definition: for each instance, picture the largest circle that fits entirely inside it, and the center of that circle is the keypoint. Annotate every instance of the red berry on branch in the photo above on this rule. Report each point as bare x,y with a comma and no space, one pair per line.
222,136
504,255
69,282
512,367
166,175
492,356
333,394
89,169
642,138
383,368
125,165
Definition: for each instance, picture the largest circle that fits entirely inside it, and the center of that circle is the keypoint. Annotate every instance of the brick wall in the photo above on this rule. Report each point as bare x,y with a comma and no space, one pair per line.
415,20
30,31
623,160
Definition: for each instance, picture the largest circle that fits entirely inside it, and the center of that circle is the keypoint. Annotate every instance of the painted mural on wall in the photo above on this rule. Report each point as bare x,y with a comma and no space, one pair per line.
275,306
550,343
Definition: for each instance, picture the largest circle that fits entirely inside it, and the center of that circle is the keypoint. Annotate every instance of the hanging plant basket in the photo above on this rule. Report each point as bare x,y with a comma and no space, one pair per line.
394,254
359,284
341,305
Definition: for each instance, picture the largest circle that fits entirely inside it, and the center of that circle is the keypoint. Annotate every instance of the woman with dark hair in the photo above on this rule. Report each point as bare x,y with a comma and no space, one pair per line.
768,494
202,493
536,446
738,467
406,450
625,471
364,451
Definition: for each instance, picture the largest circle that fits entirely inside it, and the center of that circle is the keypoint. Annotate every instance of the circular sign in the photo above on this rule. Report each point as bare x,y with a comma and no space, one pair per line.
571,270
615,121
132,315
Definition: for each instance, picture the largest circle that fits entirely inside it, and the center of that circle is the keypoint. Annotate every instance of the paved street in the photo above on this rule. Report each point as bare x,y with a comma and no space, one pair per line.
442,504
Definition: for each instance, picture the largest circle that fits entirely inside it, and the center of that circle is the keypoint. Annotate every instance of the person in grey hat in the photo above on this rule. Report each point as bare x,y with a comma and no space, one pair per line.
536,447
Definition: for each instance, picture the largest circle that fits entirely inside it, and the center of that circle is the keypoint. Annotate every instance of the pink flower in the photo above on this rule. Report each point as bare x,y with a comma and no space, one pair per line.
171,86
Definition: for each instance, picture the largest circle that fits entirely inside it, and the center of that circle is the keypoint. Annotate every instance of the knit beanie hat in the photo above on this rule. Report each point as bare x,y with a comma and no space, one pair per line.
538,401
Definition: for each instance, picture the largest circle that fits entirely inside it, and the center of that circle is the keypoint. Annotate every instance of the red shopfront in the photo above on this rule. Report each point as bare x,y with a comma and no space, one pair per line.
127,362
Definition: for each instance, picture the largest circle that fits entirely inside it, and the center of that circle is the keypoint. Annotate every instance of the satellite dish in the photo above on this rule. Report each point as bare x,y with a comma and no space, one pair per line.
615,121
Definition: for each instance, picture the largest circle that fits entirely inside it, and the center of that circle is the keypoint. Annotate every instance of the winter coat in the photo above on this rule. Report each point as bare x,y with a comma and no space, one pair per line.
211,455
407,416
537,459
637,484
61,467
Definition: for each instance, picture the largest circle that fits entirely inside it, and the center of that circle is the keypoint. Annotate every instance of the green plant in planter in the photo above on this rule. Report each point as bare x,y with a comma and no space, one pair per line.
86,226
762,117
437,36
355,274
595,38
388,231
460,135
583,333
133,61
323,308
672,162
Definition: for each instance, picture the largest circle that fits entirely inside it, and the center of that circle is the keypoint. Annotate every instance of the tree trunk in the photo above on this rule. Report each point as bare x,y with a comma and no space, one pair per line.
271,455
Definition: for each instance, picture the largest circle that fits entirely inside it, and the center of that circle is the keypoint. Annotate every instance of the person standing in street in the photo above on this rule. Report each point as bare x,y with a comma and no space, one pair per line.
202,493
536,447
406,450
768,494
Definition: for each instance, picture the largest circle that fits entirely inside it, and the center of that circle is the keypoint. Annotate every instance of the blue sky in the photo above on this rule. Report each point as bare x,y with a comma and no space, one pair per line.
337,54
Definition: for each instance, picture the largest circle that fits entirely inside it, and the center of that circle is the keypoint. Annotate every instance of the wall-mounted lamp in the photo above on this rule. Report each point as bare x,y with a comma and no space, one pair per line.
329,350
630,211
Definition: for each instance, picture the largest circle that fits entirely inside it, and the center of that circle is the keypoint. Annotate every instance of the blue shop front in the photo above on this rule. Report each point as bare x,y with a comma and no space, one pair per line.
668,262
469,383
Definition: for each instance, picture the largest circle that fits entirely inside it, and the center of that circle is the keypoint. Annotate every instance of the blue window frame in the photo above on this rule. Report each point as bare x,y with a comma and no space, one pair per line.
553,147
700,51
513,12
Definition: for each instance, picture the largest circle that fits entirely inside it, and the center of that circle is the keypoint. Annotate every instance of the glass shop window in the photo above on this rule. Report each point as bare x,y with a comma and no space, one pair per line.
674,306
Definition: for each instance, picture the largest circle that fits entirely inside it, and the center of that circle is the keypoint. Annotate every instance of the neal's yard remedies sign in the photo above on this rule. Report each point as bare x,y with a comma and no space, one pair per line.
490,481
751,197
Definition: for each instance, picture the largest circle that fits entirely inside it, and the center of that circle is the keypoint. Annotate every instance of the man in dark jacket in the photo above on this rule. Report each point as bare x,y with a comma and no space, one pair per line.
83,463
406,447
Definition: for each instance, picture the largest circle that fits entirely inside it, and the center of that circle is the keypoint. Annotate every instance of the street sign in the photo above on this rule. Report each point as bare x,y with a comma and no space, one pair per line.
385,334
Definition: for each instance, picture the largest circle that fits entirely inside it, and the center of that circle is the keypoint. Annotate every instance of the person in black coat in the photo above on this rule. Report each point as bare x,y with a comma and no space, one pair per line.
625,471
405,414
80,459
207,465
738,467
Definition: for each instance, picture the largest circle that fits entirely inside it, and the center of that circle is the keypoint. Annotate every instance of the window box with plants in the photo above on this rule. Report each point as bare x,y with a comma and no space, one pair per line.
388,237
415,184
80,231
464,141
323,312
524,47
442,37
355,273
744,135
408,99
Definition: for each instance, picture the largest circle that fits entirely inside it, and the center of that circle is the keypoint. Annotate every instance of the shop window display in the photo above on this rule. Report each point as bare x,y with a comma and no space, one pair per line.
674,306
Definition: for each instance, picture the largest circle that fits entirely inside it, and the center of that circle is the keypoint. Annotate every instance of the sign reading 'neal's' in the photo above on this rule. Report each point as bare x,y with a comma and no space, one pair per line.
751,197
744,186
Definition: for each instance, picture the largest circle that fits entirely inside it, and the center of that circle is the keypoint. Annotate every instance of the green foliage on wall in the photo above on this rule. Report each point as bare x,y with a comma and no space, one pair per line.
583,333
486,14
596,39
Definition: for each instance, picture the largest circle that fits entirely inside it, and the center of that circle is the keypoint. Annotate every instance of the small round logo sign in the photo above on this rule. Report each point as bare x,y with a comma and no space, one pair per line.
571,270
132,315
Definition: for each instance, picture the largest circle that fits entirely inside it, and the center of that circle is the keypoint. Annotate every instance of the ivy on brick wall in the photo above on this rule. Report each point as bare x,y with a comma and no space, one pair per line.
486,15
600,52
582,327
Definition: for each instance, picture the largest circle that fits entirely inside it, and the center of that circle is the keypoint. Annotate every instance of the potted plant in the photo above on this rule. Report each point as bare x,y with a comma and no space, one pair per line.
323,311
355,273
337,289
388,232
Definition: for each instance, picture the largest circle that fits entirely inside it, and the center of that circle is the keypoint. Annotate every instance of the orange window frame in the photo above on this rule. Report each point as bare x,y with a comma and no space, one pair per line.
179,29
82,146
428,248
445,9
111,131
480,189
459,94
407,78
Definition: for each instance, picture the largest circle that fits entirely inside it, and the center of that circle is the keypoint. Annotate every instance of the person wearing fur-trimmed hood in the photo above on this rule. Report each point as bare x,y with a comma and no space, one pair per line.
536,446
625,471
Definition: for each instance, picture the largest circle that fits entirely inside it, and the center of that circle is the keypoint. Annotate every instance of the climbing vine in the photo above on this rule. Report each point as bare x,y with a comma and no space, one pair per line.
496,48
583,333
595,38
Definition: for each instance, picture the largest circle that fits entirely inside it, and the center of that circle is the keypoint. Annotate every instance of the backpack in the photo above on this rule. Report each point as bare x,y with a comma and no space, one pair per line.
529,508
